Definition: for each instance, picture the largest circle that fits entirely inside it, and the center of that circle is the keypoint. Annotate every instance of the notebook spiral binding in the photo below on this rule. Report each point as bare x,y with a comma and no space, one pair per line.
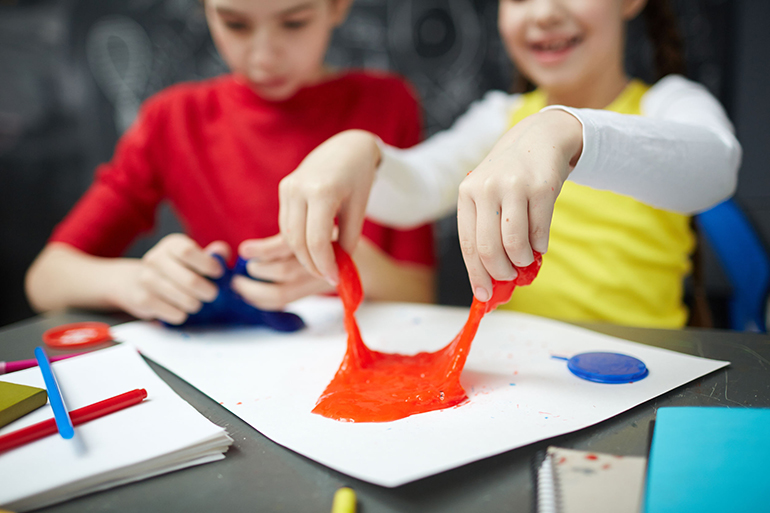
548,498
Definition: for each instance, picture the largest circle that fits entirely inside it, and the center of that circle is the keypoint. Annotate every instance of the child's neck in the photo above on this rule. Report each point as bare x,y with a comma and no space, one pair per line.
595,94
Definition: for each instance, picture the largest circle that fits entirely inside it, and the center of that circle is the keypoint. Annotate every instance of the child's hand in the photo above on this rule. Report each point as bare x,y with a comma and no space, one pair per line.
284,278
170,281
334,180
505,205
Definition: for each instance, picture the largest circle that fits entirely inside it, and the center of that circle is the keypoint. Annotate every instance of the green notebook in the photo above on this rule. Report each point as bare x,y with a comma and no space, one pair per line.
18,400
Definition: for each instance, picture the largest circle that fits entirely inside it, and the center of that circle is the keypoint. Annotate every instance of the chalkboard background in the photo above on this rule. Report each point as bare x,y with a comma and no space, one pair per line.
74,72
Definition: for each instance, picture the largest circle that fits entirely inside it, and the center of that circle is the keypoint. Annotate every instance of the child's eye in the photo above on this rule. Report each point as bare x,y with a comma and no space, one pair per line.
235,26
295,24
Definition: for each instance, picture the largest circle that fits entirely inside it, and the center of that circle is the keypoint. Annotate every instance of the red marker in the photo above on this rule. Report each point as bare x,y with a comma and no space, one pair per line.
79,416
6,367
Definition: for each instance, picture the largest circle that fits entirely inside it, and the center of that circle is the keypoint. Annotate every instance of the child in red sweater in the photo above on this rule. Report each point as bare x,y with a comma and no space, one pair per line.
216,150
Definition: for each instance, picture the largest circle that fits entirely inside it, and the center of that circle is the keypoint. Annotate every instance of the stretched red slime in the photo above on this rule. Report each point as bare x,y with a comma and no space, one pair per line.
371,386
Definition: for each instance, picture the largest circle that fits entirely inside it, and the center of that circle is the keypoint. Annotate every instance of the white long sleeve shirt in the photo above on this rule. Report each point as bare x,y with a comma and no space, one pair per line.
681,155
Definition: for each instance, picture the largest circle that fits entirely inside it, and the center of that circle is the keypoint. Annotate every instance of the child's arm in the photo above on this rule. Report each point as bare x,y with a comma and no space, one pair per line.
505,205
387,279
681,155
167,283
413,186
682,158
383,277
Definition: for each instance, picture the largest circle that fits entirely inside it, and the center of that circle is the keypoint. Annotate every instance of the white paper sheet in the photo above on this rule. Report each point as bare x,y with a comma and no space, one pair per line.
518,393
161,434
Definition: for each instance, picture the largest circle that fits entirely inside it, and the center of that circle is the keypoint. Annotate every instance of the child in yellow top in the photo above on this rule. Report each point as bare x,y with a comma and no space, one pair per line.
647,248
618,235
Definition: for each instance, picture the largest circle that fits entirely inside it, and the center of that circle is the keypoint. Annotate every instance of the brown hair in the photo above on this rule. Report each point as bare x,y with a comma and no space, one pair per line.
666,39
663,32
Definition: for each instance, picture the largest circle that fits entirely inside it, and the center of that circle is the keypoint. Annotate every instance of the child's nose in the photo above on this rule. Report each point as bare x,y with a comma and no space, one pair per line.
546,13
265,49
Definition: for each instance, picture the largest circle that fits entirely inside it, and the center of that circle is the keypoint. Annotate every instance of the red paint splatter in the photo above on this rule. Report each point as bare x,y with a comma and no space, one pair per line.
561,460
606,466
371,386
239,402
592,457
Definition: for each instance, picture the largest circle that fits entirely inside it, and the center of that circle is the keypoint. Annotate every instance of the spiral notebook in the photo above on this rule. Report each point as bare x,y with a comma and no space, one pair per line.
570,481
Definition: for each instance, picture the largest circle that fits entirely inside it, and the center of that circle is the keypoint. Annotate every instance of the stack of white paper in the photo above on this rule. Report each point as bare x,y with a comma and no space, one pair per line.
159,435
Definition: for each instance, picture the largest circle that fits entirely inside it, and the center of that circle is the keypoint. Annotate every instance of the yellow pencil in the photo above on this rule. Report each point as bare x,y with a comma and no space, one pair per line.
344,501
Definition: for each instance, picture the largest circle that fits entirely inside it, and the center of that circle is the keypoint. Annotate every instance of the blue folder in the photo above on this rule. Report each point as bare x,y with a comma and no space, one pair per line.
705,459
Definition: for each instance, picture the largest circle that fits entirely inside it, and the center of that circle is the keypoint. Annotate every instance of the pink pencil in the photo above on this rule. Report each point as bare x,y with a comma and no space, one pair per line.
6,367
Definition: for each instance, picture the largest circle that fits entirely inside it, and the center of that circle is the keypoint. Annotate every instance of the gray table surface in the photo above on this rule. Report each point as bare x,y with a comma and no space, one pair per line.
258,475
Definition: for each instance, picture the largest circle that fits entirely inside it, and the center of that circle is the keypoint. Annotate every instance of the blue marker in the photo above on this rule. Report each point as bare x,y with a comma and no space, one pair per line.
60,414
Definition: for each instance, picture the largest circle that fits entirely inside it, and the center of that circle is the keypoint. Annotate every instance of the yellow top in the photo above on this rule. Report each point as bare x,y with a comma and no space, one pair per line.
610,257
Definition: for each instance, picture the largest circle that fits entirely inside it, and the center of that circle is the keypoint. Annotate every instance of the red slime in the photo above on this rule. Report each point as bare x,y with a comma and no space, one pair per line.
371,386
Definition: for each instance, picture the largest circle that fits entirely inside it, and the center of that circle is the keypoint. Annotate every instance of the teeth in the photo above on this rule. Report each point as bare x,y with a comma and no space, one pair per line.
554,46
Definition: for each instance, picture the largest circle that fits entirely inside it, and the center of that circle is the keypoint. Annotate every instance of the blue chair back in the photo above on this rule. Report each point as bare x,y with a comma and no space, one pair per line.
744,260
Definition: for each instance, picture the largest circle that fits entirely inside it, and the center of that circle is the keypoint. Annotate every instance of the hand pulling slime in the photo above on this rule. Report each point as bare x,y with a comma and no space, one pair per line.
371,386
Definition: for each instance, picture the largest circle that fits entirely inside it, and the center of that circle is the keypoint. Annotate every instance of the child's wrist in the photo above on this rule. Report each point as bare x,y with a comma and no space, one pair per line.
570,132
363,139
376,152
116,273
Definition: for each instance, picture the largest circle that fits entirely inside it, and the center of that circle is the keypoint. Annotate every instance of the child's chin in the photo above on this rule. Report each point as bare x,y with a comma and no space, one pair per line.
276,95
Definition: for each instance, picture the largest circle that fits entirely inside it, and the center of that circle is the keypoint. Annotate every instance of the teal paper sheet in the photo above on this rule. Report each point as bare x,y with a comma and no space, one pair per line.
709,459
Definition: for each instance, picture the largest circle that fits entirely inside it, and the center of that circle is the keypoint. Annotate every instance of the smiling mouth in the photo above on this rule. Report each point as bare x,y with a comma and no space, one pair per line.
556,45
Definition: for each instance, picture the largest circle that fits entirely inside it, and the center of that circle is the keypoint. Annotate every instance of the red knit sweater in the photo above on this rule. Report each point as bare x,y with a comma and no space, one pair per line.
217,151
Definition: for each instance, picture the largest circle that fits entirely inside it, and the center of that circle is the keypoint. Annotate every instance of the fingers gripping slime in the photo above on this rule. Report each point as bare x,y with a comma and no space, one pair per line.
229,308
371,386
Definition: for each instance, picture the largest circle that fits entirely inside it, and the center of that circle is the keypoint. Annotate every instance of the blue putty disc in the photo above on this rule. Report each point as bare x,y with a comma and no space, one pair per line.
611,368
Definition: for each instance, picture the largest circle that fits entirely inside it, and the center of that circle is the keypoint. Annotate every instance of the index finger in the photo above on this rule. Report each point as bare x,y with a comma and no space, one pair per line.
193,257
481,282
265,250
351,221
320,230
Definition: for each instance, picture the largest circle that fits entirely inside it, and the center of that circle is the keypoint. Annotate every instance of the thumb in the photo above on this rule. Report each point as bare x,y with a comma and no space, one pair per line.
220,248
